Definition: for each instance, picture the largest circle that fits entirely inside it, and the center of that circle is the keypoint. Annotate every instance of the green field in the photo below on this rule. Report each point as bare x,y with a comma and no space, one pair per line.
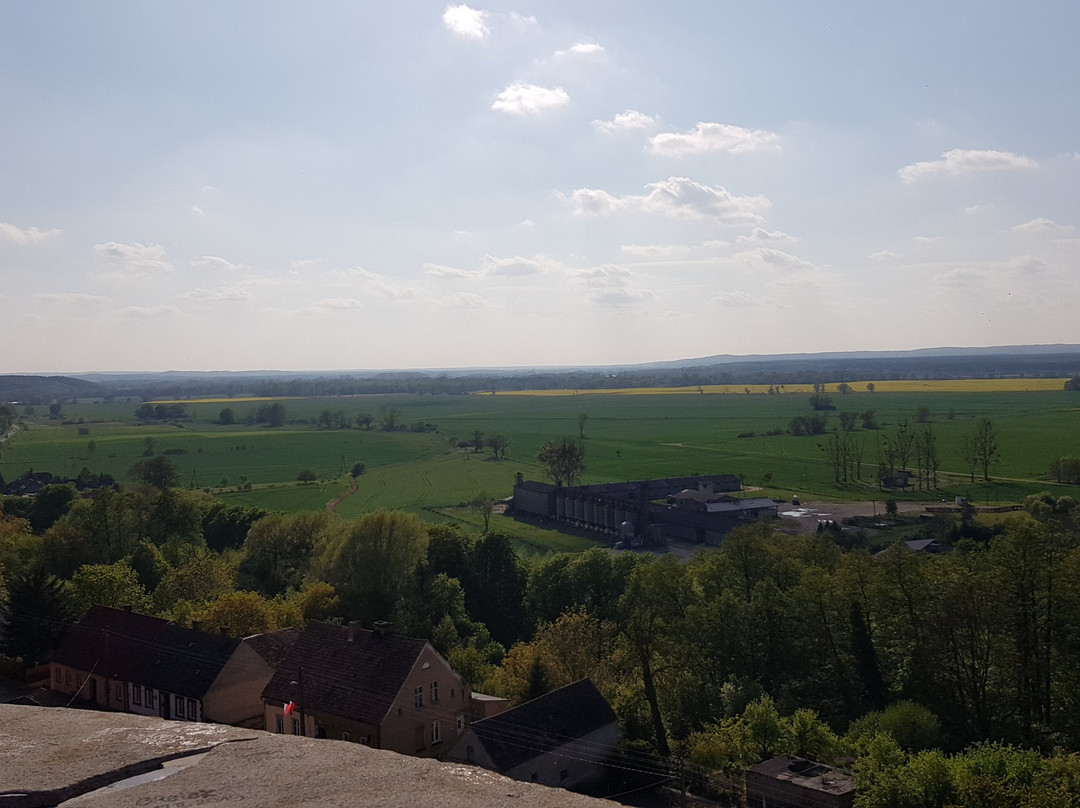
627,437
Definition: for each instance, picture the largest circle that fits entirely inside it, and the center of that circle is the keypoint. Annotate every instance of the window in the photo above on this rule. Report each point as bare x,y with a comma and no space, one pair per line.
418,697
136,695
434,692
149,697
178,702
281,725
296,728
470,754
119,692
69,677
346,736
320,731
533,777
192,713
460,720
436,734
364,740
451,692
56,674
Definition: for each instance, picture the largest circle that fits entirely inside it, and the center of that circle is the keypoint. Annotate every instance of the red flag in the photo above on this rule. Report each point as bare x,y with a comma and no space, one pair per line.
289,708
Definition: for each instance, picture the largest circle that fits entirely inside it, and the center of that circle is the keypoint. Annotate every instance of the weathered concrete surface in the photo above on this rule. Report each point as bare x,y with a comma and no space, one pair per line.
46,751
48,754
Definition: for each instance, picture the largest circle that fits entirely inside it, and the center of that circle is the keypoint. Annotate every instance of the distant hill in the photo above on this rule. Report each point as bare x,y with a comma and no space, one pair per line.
44,389
1038,361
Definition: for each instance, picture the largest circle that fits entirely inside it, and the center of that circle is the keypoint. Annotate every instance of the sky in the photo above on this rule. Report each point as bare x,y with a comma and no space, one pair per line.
369,185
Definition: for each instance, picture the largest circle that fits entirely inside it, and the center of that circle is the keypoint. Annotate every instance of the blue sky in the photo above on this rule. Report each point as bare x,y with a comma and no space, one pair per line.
214,186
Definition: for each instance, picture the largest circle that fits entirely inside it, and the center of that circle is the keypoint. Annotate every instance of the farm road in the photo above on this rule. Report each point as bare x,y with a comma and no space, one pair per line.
331,506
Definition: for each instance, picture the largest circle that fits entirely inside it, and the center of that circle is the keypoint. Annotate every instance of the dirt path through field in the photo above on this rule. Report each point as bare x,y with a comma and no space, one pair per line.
331,506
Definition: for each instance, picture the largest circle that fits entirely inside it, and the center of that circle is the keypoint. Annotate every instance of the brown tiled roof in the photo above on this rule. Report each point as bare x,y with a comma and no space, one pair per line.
185,661
355,679
132,647
273,646
539,726
110,642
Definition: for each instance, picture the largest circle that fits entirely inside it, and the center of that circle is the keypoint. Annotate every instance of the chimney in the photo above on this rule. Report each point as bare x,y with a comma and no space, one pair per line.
383,627
353,626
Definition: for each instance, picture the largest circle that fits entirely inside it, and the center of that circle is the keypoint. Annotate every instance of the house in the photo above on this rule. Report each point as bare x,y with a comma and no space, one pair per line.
787,781
565,739
371,687
120,660
28,485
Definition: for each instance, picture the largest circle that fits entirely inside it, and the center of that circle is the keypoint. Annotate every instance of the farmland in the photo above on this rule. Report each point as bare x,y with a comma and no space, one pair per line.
627,436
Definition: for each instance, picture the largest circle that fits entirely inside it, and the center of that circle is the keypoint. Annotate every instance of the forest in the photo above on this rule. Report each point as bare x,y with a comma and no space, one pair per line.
933,677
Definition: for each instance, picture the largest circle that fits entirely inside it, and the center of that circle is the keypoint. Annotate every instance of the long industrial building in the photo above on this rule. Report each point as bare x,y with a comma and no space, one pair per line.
699,509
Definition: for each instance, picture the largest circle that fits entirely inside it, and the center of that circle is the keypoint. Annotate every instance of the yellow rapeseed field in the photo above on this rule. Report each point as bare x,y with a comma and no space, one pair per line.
886,386
237,400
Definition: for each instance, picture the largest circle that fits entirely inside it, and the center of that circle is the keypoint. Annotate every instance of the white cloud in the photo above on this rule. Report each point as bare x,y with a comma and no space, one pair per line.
526,223
676,198
515,266
760,235
213,262
582,50
1023,264
225,293
149,311
135,257
463,300
656,250
960,279
604,277
626,121
466,22
767,258
529,99
621,297
965,161
198,211
26,237
522,19
735,300
883,255
395,292
706,137
338,304
1042,226
72,299
779,259
929,239
441,271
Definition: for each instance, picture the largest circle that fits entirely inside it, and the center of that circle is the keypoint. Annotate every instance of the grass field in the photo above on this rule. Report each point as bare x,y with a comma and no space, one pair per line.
628,436
879,386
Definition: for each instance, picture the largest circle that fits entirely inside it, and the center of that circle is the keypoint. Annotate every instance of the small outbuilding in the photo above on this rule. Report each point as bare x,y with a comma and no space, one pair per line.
787,781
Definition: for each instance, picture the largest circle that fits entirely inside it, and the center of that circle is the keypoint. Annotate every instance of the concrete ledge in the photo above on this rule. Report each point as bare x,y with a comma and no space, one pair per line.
47,755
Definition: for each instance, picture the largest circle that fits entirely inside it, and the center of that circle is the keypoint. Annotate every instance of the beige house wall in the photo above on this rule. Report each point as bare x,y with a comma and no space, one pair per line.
107,694
332,726
408,728
235,697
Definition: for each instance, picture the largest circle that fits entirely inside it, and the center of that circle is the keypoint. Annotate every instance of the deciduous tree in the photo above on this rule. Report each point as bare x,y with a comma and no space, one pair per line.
563,460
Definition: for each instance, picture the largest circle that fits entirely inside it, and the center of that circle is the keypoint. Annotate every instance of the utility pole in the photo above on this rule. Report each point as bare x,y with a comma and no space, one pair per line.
303,713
